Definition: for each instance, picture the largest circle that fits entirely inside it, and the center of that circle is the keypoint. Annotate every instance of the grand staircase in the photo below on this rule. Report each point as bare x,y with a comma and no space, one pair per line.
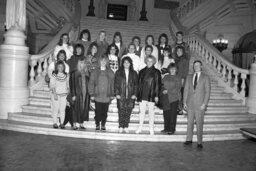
223,118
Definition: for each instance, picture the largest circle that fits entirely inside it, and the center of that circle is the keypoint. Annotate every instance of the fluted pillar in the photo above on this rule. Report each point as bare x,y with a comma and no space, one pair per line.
143,12
14,56
251,102
91,9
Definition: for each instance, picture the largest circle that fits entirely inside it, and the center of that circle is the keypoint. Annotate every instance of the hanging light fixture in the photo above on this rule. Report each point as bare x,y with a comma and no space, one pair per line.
220,43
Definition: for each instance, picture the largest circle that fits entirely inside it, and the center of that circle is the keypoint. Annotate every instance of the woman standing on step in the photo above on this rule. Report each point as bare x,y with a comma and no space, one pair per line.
126,84
135,59
136,41
170,98
92,57
150,41
61,56
112,53
78,55
117,40
59,88
162,44
64,45
79,81
148,92
101,89
148,52
85,39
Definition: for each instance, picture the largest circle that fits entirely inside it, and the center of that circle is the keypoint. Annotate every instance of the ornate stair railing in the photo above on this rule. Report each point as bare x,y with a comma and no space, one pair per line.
228,75
39,63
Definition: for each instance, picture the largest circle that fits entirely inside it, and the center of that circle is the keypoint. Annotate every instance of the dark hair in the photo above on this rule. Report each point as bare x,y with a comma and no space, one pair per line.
179,32
173,65
126,58
149,46
56,67
165,36
131,44
198,61
161,58
136,37
89,52
109,49
79,46
148,36
183,50
83,32
61,41
117,34
61,52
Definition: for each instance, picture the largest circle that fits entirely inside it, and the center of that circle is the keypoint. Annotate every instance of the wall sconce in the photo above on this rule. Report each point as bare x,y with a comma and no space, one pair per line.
220,43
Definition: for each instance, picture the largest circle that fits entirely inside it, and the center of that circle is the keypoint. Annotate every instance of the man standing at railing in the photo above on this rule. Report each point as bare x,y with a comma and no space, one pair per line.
195,100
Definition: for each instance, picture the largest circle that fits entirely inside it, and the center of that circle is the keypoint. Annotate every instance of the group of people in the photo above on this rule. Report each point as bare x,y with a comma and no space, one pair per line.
151,75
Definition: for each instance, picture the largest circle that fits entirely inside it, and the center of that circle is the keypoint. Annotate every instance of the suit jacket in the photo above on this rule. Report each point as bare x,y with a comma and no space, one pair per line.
195,98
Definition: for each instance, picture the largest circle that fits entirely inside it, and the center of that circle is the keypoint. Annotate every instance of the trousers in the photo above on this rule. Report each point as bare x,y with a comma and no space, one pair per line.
101,113
143,106
197,115
170,117
58,108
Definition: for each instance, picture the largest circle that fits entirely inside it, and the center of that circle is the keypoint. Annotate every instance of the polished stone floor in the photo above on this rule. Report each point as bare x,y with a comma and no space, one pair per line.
29,152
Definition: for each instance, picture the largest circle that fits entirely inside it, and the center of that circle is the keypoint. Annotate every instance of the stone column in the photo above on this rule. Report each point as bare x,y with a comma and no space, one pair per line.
91,9
143,13
14,58
251,102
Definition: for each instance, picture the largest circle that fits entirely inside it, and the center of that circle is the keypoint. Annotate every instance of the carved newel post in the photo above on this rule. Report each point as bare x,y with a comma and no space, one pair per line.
14,56
91,9
251,103
143,13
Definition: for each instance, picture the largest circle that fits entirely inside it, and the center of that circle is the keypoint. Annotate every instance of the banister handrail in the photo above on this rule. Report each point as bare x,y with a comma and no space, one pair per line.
219,55
41,61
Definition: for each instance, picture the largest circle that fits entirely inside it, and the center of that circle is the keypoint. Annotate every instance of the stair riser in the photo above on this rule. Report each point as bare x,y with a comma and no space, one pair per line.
114,136
211,104
214,111
159,118
133,126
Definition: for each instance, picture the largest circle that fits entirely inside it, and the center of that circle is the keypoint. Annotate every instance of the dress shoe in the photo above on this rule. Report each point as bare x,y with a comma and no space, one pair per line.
163,131
103,128
199,146
62,126
126,130
55,126
120,130
82,127
188,143
75,128
170,133
97,128
138,131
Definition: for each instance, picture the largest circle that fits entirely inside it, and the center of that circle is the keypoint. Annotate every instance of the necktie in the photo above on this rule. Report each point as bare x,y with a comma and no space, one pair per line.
195,81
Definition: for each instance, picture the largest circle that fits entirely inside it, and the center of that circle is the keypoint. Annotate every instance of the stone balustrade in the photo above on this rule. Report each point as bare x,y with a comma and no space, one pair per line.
234,79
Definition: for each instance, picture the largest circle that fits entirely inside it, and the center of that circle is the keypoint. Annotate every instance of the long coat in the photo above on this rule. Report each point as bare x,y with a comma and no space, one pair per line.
121,86
81,104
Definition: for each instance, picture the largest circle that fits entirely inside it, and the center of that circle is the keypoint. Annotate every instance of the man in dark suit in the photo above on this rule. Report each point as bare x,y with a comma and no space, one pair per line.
195,100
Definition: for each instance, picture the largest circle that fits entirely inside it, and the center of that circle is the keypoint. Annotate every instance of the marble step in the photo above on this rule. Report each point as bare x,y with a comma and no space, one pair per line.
46,102
113,126
113,117
108,135
221,110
